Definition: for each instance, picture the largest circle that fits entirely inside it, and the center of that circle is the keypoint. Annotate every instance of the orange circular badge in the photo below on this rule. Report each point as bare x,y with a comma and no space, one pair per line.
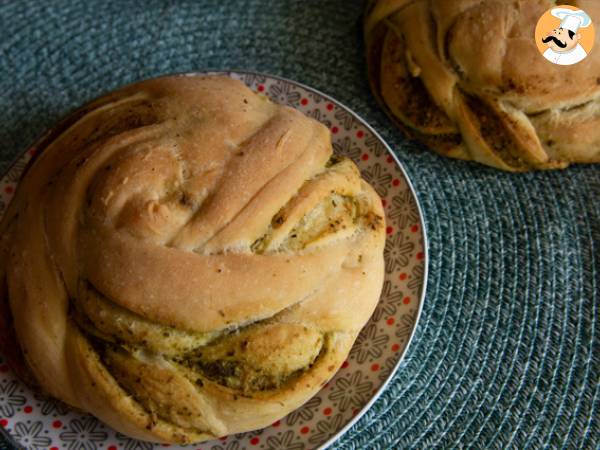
564,35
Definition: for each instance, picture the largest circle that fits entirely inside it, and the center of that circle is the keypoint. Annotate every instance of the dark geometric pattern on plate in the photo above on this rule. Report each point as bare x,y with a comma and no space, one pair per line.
415,284
51,406
284,93
407,323
398,250
379,178
390,300
285,442
305,414
233,445
85,434
127,443
404,210
327,428
347,147
10,398
374,145
32,435
14,173
369,344
319,116
345,118
387,368
351,391
253,79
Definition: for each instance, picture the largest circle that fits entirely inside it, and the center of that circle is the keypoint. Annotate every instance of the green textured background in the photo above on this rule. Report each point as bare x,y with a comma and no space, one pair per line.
507,352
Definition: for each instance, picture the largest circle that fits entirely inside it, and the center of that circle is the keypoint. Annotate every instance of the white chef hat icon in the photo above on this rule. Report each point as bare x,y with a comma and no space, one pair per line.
572,19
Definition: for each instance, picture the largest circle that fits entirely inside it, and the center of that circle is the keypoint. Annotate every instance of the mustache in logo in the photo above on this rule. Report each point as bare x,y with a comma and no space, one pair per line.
556,41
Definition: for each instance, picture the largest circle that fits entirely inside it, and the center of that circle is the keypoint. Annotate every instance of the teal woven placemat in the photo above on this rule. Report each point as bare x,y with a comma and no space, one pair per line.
507,351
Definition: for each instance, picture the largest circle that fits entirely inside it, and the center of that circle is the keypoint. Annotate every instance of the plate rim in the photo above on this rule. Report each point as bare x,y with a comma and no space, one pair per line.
64,122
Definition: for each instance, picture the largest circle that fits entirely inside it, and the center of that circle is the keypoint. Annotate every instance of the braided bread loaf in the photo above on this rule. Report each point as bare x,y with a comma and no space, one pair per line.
185,259
465,77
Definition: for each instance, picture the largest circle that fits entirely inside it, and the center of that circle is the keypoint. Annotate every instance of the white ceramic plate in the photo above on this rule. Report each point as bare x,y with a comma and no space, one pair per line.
38,422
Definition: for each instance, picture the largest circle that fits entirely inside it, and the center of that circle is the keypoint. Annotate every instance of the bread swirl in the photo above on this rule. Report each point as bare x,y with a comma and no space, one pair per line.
465,77
185,259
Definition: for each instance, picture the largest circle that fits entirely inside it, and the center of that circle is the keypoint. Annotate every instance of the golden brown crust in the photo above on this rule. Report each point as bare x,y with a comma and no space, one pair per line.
465,77
183,262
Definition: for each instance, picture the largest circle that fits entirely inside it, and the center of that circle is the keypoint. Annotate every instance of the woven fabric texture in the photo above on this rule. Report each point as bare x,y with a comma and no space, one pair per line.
507,351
